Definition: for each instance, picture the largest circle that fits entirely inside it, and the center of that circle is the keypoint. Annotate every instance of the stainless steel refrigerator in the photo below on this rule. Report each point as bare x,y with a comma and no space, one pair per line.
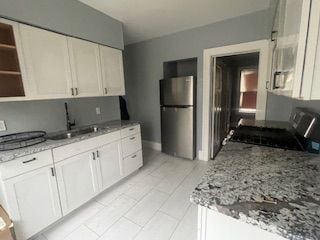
178,116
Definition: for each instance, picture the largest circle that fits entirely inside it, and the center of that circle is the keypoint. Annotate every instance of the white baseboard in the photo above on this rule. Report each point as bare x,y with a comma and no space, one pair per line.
153,145
200,156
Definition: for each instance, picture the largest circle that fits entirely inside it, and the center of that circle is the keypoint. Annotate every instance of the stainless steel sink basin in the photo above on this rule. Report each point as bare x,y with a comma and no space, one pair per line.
73,133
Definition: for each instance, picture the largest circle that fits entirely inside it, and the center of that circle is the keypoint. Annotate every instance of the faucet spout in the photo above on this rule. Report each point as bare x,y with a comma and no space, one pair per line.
69,123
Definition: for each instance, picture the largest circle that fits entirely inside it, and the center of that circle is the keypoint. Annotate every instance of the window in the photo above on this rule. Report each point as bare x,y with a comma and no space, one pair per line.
248,90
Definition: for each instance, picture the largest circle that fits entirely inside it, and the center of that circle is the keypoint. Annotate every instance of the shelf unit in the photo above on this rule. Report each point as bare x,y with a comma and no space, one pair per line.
11,84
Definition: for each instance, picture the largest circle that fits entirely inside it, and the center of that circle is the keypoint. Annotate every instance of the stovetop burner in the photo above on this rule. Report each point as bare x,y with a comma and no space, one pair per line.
271,137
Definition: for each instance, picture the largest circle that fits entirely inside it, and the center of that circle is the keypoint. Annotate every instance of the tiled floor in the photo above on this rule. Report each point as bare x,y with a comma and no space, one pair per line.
152,204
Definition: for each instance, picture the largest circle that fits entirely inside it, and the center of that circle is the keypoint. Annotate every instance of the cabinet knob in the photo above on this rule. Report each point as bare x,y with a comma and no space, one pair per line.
94,156
72,92
77,93
132,138
98,154
105,90
134,156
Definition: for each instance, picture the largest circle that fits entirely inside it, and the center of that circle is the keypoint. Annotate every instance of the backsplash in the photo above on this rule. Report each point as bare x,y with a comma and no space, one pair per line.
49,115
279,107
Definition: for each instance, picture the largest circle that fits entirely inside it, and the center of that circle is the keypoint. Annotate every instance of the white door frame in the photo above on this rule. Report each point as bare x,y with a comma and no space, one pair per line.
263,47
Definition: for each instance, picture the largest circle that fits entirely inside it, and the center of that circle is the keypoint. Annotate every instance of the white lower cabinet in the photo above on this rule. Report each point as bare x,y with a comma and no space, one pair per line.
40,188
132,163
77,181
32,201
108,164
215,225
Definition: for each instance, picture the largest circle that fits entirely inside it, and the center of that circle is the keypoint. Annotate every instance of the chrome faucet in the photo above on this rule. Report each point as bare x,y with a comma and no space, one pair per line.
69,123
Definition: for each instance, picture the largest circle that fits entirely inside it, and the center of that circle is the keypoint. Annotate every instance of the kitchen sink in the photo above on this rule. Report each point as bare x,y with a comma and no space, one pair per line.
73,133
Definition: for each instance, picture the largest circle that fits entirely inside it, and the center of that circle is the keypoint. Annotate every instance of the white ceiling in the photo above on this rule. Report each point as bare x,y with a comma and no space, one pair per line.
146,19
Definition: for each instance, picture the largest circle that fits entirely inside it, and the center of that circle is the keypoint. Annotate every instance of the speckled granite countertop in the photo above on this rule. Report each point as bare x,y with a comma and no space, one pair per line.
277,190
264,124
104,128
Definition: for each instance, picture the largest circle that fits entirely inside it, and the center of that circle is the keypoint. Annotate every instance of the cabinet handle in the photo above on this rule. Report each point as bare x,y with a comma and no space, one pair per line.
105,90
131,129
274,36
132,138
52,172
94,156
72,92
134,156
31,160
276,85
76,91
98,154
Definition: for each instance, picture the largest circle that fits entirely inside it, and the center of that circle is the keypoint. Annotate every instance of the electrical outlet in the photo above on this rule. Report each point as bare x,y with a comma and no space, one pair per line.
98,111
3,125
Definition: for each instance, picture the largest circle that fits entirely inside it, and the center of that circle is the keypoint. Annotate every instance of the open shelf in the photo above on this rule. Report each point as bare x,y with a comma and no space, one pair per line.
9,73
7,46
11,84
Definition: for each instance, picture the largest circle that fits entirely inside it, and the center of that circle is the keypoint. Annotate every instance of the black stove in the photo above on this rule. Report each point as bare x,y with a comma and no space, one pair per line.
265,136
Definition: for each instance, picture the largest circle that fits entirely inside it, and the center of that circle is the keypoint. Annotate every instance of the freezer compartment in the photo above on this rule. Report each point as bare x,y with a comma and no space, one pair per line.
177,91
178,131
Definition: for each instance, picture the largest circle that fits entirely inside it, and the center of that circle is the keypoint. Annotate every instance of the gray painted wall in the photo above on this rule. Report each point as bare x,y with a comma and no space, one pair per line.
144,63
279,107
66,16
70,17
49,115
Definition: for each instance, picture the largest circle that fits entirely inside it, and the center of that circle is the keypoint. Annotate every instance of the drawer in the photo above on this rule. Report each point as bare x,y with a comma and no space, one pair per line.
131,144
132,163
25,164
73,149
126,132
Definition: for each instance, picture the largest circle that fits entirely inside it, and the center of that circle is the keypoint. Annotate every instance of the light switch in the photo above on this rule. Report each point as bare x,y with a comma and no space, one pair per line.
98,111
3,126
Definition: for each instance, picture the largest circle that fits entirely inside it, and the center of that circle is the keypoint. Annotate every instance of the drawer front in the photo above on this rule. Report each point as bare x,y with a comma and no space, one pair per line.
131,144
132,163
25,164
73,149
126,132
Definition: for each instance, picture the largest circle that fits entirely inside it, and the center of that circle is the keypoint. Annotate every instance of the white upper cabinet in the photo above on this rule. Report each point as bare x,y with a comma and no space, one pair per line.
47,63
85,67
39,64
33,201
112,71
291,29
296,55
311,86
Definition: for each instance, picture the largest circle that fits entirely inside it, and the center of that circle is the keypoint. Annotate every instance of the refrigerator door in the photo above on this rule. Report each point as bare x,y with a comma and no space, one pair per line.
177,131
177,91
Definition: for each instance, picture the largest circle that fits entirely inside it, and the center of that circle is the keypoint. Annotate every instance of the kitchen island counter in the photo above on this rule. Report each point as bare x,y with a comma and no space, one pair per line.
275,189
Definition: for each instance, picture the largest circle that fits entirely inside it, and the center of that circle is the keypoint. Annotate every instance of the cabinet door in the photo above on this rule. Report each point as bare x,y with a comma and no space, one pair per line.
33,201
311,75
77,181
109,164
112,71
315,95
47,62
291,25
85,67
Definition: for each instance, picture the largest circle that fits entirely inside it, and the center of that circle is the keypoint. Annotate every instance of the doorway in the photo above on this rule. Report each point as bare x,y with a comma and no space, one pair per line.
234,95
227,102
